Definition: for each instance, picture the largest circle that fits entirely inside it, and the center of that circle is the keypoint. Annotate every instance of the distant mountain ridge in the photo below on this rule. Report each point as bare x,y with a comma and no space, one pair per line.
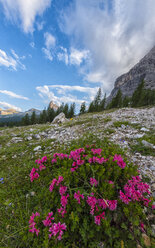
129,81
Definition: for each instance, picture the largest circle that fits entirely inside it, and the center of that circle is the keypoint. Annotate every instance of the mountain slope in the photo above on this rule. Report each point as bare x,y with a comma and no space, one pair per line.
129,81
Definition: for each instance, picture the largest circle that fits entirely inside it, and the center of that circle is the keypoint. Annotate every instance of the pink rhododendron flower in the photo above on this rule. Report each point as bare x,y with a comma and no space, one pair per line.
112,204
57,228
77,196
62,190
34,174
120,161
97,219
142,227
54,160
64,200
32,225
153,207
102,203
60,179
111,182
54,181
124,198
96,151
62,211
93,182
92,201
80,162
47,221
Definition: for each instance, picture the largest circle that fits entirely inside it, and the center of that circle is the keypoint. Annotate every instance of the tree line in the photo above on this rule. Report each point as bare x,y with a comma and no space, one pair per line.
141,97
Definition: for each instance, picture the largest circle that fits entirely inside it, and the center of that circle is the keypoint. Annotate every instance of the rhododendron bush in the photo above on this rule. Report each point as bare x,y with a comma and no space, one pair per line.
92,196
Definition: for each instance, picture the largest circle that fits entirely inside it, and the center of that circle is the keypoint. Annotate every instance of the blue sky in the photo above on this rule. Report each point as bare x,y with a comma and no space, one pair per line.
64,50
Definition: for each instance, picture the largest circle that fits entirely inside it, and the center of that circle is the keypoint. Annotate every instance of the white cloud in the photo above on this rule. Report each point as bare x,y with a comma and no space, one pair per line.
74,57
9,61
50,42
14,95
24,11
63,55
77,56
40,25
117,33
62,93
8,106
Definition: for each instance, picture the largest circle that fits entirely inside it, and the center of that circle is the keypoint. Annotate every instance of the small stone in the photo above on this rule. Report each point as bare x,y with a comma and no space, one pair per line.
146,240
144,129
153,229
32,193
147,144
36,136
37,148
138,135
28,138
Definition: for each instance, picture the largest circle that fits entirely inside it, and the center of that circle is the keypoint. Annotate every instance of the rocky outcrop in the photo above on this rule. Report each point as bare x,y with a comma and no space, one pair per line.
59,119
52,105
129,81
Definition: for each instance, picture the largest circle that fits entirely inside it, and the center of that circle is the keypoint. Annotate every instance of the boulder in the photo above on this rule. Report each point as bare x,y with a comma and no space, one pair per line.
59,119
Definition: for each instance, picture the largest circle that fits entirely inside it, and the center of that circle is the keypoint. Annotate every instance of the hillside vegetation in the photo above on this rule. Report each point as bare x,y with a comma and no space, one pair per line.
126,132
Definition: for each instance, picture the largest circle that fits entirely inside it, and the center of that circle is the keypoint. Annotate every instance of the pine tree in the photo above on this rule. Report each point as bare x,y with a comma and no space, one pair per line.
91,107
66,110
137,96
97,100
117,100
43,117
83,108
102,104
126,101
26,120
33,119
71,112
50,114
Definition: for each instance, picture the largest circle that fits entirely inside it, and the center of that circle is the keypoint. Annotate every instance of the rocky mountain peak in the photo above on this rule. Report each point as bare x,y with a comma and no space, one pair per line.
52,105
129,81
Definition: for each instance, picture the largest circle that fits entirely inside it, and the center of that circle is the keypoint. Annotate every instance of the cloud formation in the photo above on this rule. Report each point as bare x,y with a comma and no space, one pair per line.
8,106
14,95
11,61
24,12
74,57
66,93
50,42
118,33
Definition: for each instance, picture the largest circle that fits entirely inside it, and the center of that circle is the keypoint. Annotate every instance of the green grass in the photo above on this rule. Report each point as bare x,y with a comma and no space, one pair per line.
15,207
120,123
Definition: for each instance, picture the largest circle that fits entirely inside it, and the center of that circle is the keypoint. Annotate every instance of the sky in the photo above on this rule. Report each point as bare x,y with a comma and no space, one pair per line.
64,50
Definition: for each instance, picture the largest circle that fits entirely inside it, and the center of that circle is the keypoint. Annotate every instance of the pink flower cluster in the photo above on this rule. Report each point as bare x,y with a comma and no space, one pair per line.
33,174
75,155
61,156
32,225
95,203
77,196
47,221
96,151
93,182
120,161
97,218
57,228
55,181
41,162
64,200
97,160
134,191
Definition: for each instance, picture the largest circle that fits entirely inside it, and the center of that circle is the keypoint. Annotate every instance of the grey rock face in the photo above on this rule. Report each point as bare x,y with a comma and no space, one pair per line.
129,81
59,118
